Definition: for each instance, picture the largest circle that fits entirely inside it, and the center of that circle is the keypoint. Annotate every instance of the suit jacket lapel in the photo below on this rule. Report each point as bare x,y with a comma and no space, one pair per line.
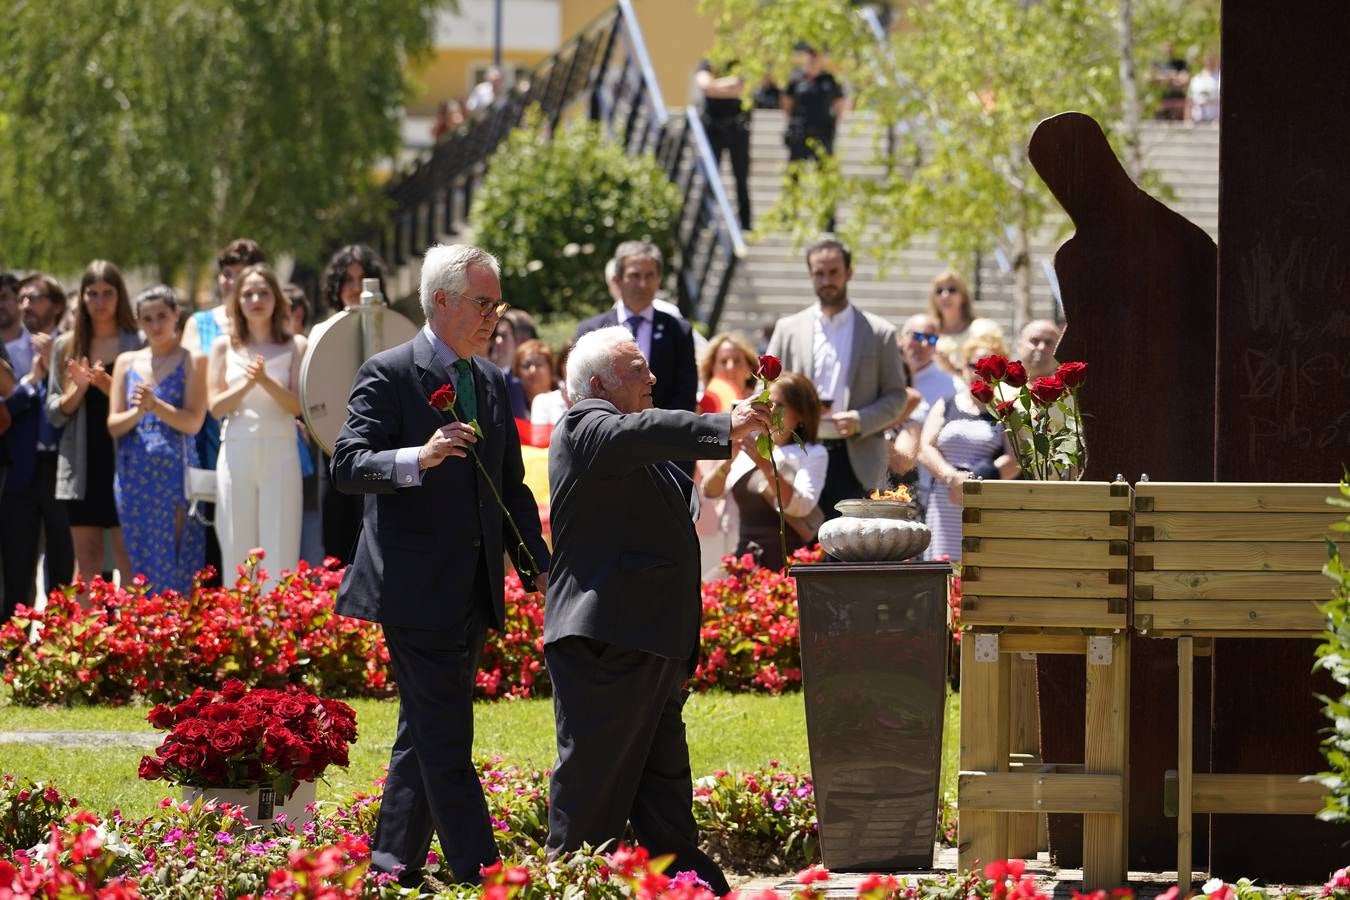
661,362
431,372
863,341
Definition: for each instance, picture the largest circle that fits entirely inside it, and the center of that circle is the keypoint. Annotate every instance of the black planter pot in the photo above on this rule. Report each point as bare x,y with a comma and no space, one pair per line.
874,666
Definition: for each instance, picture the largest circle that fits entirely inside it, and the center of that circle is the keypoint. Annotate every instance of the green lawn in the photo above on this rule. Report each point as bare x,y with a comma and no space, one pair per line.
726,731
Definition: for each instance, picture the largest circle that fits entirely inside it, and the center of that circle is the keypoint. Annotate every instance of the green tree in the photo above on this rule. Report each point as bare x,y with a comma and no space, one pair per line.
1334,656
554,209
964,83
152,131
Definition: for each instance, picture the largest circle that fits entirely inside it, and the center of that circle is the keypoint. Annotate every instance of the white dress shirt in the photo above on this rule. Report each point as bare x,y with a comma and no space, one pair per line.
831,356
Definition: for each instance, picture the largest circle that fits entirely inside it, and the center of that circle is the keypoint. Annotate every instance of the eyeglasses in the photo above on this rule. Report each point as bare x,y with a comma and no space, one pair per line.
921,337
947,289
489,306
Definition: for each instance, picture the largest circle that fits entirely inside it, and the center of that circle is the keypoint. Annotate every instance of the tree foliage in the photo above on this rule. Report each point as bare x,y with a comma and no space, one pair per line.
964,83
1334,656
152,131
553,211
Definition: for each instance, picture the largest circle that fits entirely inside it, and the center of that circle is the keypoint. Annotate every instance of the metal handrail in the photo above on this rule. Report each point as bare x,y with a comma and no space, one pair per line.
607,62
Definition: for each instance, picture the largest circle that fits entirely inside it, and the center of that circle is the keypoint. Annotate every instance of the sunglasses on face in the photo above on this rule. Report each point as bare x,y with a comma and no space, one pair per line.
487,306
920,337
947,289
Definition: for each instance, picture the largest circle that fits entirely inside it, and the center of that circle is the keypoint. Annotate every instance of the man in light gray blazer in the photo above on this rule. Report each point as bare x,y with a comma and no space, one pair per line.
854,361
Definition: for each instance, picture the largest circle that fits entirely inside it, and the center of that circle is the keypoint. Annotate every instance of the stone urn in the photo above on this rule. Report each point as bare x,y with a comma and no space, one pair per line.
874,531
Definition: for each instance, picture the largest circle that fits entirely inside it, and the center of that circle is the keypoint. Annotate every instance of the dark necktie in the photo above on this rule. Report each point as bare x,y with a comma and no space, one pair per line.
634,324
464,392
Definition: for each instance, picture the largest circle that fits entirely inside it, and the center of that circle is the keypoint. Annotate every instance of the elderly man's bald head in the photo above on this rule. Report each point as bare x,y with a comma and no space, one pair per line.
1036,347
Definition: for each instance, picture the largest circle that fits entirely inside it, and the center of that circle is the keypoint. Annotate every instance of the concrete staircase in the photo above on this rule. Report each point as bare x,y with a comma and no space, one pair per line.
772,281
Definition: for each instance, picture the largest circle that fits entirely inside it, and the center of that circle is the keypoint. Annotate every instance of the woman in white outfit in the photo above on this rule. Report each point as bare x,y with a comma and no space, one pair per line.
253,379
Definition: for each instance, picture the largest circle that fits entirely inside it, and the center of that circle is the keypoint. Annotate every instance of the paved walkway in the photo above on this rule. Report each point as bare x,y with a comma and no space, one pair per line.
136,739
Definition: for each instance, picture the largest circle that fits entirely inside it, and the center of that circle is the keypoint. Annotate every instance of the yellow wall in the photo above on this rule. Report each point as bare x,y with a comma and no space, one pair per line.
677,38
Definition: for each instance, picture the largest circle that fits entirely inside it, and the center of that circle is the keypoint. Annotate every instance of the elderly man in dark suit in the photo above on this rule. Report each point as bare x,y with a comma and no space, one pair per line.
621,626
428,564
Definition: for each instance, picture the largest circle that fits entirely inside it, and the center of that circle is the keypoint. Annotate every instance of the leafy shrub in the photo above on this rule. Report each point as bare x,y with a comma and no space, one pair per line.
553,208
1334,656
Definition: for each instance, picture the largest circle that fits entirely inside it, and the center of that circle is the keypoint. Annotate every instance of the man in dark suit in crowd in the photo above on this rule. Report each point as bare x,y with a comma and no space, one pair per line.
854,361
428,564
667,342
621,626
33,517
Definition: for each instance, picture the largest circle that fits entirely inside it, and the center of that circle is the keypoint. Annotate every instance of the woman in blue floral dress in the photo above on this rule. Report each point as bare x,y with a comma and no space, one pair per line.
158,403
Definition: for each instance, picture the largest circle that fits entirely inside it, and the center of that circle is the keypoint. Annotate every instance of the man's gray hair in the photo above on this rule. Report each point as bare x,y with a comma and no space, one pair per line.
593,354
446,268
639,249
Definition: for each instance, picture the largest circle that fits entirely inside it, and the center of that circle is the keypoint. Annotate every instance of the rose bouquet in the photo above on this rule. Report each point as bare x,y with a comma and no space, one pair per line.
1041,415
241,738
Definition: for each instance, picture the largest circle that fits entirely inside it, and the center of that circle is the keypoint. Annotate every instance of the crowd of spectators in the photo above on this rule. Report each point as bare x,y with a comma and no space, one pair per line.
104,416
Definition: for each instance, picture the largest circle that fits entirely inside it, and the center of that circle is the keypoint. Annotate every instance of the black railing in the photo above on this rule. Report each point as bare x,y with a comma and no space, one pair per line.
608,64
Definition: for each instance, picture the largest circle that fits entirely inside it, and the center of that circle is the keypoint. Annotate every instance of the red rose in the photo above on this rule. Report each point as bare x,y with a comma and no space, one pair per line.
992,368
443,398
288,707
1047,390
227,740
982,391
151,767
770,367
1017,374
233,689
161,716
1071,373
1005,409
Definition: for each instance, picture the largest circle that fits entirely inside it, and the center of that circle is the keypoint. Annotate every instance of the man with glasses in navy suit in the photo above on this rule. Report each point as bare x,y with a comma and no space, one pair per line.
428,564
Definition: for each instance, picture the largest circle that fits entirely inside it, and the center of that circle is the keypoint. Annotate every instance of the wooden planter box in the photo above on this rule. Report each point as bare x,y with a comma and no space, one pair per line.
1239,560
1047,554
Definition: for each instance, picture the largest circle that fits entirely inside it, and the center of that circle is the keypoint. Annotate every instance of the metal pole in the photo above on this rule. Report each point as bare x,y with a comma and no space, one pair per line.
497,34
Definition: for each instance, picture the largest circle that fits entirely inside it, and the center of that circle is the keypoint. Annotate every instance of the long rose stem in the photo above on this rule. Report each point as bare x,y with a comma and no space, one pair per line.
778,502
534,566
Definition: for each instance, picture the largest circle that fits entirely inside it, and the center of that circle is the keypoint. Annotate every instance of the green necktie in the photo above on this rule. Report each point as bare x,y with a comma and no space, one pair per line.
468,398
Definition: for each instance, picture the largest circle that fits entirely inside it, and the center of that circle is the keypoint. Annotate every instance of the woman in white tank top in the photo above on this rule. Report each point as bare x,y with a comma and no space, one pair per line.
253,385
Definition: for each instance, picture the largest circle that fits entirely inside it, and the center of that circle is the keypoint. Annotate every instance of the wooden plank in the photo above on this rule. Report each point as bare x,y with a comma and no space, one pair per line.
1283,795
1042,793
1233,526
1043,642
1031,612
983,836
1299,617
1071,524
1192,585
1232,556
1040,554
1180,496
986,581
1024,733
1108,738
1185,745
1055,495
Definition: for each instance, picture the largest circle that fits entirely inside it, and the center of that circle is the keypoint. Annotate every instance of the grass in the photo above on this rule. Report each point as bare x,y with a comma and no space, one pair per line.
726,731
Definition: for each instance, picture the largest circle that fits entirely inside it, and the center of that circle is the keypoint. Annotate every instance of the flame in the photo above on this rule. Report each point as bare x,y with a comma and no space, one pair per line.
900,495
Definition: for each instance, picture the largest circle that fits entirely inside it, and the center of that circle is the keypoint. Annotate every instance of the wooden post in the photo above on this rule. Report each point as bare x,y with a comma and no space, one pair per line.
1185,711
1108,730
983,836
1023,738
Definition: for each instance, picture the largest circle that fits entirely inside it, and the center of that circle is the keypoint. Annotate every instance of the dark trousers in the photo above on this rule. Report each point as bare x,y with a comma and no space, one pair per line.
30,515
622,754
733,137
840,482
432,781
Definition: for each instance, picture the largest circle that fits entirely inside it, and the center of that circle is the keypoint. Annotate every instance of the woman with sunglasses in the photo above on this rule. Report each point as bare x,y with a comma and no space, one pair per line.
961,439
252,381
949,304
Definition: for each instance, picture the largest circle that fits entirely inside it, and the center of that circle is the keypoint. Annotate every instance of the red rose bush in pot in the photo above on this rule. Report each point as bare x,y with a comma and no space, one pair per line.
237,738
